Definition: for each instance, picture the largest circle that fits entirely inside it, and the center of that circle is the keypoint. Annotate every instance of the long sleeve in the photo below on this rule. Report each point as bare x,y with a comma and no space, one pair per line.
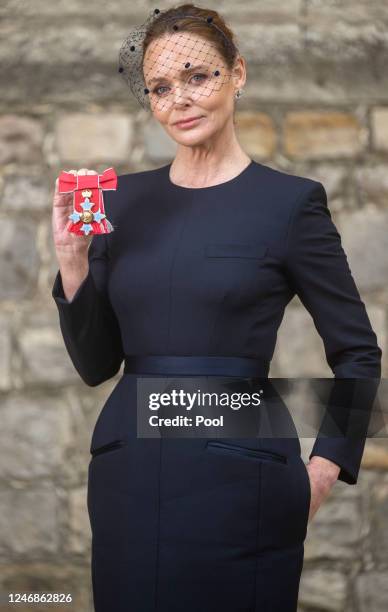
318,270
88,323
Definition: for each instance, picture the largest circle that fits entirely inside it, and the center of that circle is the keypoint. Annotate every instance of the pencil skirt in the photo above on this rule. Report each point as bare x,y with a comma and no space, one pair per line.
193,524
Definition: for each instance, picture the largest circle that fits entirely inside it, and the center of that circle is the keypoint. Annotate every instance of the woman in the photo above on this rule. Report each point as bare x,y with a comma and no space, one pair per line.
205,255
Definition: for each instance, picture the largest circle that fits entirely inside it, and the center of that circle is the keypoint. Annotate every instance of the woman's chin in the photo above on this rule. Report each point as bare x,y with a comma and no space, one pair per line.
190,137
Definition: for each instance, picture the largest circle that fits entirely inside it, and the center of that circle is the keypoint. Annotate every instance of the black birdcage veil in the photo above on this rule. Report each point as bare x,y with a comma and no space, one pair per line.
191,61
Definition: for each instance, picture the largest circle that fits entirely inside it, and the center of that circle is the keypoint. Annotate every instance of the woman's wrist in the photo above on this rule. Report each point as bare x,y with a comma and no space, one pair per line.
73,273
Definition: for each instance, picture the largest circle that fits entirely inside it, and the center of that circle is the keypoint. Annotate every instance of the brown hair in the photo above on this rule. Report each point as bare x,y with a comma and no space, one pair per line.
223,40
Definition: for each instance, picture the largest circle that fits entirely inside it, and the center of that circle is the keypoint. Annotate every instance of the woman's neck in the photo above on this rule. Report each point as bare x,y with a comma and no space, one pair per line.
199,168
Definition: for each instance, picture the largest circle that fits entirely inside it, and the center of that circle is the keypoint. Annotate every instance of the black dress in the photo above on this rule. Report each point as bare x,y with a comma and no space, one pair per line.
181,524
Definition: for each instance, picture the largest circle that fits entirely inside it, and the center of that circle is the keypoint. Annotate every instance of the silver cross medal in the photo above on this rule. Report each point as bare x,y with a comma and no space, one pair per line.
87,216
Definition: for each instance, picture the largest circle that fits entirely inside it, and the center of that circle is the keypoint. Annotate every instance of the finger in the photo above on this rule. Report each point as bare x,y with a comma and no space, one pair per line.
92,172
73,171
83,171
57,186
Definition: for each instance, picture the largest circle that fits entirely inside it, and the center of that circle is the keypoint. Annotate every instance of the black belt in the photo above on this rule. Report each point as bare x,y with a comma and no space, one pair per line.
196,365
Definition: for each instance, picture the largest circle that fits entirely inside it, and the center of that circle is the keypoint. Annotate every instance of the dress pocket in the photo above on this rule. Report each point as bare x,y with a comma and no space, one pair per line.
237,250
244,451
107,447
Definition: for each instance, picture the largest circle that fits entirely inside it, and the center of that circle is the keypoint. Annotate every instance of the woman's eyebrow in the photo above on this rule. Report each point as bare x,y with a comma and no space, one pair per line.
159,78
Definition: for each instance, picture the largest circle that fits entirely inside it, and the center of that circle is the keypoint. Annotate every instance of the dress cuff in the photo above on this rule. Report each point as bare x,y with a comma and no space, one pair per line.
81,305
58,293
350,464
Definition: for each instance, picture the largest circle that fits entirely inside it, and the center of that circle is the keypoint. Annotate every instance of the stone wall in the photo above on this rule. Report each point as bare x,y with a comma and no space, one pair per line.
315,104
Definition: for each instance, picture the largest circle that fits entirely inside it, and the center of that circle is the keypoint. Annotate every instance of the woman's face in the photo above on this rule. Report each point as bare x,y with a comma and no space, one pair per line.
187,77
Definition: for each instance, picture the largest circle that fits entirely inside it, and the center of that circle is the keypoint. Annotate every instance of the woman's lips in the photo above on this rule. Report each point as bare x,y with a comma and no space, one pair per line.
188,124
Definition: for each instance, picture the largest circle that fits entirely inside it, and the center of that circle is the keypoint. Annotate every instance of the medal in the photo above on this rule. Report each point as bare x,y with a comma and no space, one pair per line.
88,216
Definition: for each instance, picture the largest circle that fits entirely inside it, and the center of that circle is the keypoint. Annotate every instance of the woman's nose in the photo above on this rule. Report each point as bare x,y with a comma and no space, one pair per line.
180,93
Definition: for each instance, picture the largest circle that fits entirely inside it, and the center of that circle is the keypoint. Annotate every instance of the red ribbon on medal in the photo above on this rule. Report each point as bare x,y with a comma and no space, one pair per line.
88,216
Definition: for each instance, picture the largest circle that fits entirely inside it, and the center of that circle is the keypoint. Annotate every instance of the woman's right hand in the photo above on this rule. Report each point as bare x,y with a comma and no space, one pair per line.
67,243
71,249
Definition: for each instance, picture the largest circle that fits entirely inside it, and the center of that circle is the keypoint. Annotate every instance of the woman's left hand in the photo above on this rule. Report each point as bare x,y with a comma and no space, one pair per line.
323,474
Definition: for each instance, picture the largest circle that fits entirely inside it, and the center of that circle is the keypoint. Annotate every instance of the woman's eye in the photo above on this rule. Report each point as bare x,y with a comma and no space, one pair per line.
203,76
158,92
157,89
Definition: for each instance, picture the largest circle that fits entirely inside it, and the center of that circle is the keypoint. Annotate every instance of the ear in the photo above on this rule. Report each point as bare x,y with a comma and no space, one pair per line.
239,72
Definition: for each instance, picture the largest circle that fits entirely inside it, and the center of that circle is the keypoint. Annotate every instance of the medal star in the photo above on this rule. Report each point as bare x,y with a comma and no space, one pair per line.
98,216
86,208
86,204
75,217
